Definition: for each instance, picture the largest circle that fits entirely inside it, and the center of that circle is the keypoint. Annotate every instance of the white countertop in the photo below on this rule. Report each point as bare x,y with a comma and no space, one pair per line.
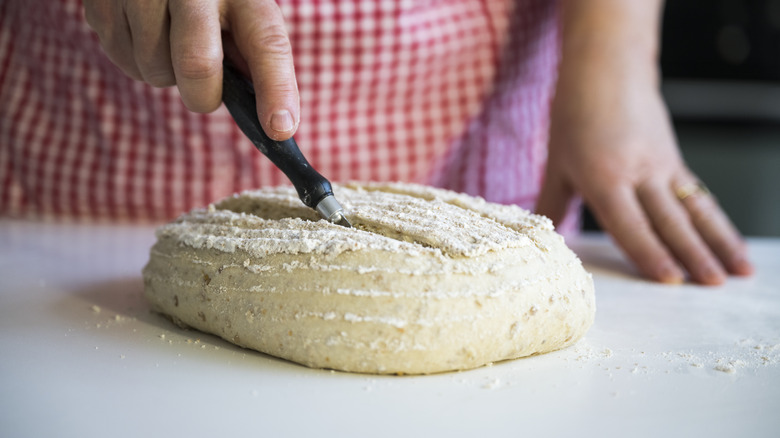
82,356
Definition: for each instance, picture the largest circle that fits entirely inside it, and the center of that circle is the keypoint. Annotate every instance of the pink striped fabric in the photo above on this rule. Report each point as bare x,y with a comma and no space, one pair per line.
454,93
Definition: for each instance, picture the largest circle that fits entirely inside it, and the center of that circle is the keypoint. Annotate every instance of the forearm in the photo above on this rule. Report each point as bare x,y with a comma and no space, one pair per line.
609,34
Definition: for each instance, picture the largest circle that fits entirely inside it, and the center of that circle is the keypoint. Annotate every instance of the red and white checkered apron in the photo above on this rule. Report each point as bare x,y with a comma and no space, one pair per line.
454,93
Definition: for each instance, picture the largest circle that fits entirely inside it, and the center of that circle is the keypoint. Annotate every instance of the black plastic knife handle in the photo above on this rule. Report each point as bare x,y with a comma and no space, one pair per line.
239,97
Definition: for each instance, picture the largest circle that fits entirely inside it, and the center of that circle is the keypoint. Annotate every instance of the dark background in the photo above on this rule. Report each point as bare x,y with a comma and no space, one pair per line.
722,40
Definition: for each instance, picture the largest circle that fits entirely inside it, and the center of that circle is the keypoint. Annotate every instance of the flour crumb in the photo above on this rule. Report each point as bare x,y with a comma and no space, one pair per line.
95,309
492,383
726,368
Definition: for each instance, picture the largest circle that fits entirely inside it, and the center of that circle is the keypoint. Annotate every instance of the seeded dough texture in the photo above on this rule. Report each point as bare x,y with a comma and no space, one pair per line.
427,281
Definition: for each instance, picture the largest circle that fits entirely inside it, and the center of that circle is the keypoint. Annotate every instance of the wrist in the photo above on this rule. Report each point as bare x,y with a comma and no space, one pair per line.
612,36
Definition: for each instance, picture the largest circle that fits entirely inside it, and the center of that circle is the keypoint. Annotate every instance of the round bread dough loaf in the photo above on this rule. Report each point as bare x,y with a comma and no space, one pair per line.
427,281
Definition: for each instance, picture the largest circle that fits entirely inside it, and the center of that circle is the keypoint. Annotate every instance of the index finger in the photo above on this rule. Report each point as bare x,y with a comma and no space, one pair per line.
621,214
196,53
257,28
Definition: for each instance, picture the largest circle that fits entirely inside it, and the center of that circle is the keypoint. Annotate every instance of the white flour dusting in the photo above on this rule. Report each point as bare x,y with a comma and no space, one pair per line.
745,355
425,220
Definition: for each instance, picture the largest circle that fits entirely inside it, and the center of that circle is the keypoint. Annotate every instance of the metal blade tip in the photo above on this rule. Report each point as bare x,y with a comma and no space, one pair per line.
330,209
340,219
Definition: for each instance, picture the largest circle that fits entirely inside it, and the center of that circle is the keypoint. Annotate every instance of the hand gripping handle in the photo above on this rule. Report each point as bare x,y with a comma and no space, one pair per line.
239,97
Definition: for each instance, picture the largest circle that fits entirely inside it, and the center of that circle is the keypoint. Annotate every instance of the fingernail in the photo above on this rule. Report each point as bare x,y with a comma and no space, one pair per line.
282,121
669,273
740,265
712,275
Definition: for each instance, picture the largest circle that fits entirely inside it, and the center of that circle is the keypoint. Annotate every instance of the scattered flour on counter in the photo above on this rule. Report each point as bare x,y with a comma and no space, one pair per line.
745,355
584,353
117,319
370,386
492,383
726,368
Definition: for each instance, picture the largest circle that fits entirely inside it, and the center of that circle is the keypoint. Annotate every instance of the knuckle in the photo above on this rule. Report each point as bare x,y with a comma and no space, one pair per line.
281,91
194,64
271,40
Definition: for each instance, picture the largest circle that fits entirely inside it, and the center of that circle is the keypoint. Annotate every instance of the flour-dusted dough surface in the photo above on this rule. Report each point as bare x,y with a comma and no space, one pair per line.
427,281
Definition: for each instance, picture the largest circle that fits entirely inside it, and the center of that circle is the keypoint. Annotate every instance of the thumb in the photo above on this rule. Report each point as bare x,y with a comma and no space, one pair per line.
554,197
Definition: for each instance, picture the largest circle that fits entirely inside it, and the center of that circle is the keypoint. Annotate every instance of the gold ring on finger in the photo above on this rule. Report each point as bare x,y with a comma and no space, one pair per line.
687,190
